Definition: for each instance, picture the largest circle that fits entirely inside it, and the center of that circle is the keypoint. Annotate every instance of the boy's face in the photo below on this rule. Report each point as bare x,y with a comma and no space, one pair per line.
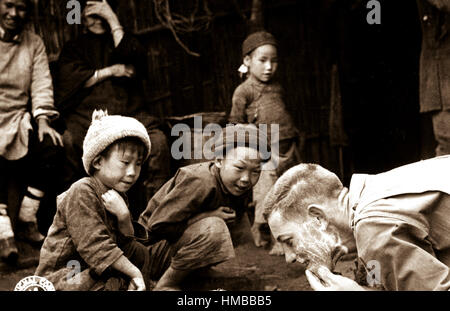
120,168
304,240
240,170
262,62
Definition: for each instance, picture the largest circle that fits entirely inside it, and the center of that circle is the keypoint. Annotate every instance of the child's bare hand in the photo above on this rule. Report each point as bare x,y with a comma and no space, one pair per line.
226,213
115,204
137,284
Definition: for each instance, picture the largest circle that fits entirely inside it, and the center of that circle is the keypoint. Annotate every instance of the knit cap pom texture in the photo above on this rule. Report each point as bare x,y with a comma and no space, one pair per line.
105,130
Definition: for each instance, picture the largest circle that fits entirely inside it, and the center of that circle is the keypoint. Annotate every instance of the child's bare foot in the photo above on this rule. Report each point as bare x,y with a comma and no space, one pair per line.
171,280
277,250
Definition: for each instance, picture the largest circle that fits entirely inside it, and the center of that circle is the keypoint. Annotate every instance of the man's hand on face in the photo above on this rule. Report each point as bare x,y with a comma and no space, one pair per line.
102,9
325,280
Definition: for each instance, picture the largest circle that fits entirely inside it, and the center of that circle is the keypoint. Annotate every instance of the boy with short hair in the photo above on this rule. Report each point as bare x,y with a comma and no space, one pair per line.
90,242
196,217
397,220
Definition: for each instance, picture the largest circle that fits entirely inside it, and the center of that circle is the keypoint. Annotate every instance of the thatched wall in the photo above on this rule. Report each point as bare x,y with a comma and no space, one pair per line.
377,68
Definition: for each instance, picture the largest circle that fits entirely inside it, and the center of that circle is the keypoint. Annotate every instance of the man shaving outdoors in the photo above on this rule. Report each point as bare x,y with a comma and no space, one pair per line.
398,219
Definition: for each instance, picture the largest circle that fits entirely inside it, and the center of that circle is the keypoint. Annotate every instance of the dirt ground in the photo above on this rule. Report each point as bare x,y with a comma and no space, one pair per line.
10,275
253,269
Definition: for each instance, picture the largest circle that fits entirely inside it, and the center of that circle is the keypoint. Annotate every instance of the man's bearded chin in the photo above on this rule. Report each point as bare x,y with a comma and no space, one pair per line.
321,248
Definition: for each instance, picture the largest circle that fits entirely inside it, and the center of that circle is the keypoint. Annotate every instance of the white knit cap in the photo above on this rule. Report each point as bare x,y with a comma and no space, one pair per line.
105,130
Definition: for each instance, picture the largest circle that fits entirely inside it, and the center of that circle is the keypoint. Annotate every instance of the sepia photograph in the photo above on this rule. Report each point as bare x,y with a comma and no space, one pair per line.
237,148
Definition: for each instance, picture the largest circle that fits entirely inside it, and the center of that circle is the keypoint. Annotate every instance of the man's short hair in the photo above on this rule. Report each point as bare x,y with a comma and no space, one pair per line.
300,186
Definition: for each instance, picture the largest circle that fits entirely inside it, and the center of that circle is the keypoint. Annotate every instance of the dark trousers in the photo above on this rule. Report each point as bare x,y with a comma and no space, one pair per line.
38,169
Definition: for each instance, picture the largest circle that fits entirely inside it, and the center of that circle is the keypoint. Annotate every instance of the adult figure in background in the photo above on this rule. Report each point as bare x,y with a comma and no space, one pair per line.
103,69
28,143
435,68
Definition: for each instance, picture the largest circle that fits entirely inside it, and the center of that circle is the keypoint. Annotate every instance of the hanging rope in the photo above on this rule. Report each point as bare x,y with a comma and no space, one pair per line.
179,24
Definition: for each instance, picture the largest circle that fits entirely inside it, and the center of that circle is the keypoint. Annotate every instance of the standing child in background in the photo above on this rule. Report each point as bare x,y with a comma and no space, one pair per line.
259,100
92,228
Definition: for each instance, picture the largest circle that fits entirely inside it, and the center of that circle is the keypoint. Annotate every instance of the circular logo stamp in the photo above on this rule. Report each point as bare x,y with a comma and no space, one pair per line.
34,283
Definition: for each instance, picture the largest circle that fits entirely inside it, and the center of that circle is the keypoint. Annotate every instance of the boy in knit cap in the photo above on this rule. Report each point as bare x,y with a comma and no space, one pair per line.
197,217
91,244
259,100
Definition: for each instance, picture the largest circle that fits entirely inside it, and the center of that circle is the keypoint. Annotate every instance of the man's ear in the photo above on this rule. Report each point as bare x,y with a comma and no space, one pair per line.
247,60
316,211
97,162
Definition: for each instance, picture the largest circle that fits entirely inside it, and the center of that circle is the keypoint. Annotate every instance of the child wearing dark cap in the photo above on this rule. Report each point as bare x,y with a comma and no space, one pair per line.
259,100
197,217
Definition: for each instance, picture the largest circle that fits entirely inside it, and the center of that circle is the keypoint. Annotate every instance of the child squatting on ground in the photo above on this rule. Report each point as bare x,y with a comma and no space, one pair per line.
92,227
195,220
259,100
